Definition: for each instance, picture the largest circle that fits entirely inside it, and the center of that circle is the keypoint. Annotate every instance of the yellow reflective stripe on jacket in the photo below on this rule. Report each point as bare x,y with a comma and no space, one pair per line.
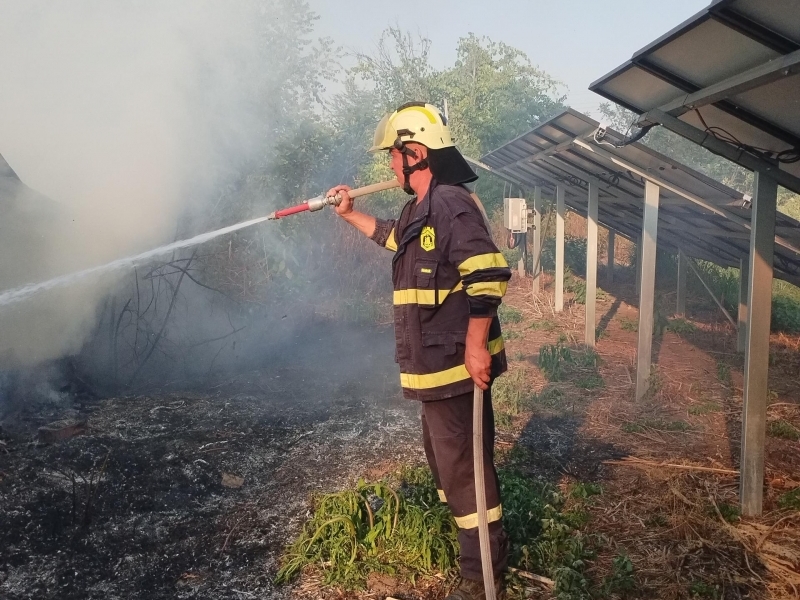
482,261
448,376
432,380
391,241
442,497
425,297
488,288
471,521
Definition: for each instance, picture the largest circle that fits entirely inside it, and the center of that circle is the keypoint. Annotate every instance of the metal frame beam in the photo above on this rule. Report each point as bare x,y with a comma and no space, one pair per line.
537,239
591,264
644,352
744,285
732,153
756,360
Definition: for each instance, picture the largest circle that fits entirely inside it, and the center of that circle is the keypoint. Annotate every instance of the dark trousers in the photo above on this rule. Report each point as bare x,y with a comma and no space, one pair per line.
447,435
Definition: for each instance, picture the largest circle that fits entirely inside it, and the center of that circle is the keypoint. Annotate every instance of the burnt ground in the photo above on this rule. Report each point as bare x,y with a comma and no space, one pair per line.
138,508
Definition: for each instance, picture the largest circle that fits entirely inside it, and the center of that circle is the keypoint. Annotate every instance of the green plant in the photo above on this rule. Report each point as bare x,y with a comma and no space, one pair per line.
729,512
723,372
511,335
511,393
544,325
600,334
552,358
790,500
508,314
783,429
621,581
704,408
582,490
592,381
681,326
628,324
701,589
549,397
786,310
374,528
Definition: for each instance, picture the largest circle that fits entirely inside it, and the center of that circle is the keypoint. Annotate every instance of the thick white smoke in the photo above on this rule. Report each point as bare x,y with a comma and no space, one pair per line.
125,114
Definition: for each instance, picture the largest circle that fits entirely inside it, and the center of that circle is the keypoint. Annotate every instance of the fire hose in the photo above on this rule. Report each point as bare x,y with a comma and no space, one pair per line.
321,202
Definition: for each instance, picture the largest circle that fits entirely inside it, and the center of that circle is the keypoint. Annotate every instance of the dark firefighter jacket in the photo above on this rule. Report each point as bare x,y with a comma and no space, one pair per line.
445,269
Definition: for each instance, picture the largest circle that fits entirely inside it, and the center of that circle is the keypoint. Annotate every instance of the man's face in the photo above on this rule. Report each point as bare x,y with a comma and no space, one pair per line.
397,159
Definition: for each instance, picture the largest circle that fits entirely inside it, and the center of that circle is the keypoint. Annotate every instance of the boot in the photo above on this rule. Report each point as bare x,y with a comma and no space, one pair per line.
469,589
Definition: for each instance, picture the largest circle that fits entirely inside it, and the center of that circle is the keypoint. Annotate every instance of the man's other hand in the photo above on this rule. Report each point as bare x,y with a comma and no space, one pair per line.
479,364
346,205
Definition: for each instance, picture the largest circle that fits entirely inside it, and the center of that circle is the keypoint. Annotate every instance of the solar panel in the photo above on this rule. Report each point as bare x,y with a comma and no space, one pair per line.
701,216
731,71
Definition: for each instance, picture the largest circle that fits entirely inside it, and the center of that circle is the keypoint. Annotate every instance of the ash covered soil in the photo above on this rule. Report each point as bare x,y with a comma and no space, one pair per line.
146,504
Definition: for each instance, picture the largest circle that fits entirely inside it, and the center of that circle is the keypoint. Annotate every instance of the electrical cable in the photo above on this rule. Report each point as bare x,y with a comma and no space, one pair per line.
789,156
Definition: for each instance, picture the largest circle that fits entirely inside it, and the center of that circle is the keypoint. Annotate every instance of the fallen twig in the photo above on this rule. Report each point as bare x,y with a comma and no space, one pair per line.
532,577
632,461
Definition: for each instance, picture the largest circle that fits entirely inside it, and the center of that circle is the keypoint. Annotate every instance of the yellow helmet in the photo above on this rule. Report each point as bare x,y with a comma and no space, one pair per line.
421,123
413,122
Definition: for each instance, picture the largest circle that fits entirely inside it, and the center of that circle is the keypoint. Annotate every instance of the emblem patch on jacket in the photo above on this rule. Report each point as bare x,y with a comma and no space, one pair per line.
427,239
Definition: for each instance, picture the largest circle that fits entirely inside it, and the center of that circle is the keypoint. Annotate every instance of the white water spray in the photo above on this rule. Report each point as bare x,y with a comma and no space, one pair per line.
26,291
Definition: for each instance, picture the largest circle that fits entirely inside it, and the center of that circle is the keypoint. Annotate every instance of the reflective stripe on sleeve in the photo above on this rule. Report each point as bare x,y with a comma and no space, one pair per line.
423,297
453,375
492,260
496,345
487,288
471,521
391,242
442,497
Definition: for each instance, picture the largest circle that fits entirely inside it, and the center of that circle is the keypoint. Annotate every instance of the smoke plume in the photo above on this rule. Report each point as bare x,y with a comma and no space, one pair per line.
122,116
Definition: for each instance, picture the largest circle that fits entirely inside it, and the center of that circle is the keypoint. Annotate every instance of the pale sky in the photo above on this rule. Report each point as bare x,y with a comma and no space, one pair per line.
575,41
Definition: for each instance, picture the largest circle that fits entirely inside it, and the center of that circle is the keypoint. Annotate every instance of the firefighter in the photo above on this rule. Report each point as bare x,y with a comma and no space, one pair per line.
449,278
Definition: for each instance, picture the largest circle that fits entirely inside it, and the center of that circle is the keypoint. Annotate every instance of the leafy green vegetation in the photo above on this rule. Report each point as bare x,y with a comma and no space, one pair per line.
543,325
701,589
508,314
790,500
549,397
401,529
628,324
681,326
704,408
511,335
723,372
783,429
729,512
552,358
511,393
621,581
375,528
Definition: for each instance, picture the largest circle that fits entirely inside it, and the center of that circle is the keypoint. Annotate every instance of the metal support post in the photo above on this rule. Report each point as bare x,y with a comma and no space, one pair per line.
744,280
680,308
591,264
638,265
560,213
756,358
610,255
647,269
537,239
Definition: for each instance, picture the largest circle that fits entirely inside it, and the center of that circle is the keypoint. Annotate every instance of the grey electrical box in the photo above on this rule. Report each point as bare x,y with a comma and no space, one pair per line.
515,215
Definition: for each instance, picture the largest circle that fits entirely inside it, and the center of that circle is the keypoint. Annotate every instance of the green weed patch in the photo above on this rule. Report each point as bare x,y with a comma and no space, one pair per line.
398,527
783,429
657,424
681,326
628,324
790,500
508,314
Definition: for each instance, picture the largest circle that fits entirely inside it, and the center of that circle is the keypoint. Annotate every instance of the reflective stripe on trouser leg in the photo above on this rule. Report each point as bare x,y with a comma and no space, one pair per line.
448,430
